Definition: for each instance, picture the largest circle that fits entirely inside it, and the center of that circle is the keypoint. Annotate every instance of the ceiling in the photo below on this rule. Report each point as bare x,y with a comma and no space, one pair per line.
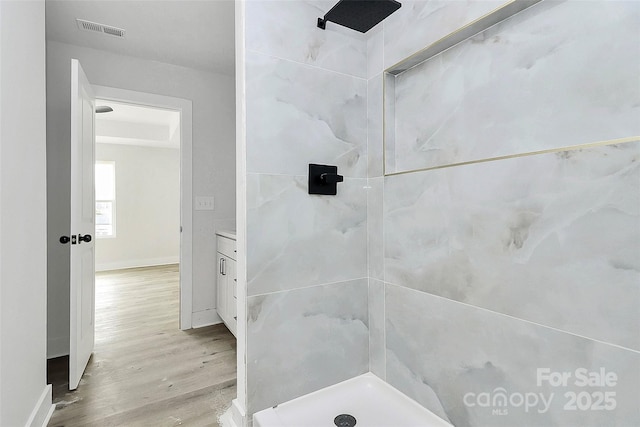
196,34
137,125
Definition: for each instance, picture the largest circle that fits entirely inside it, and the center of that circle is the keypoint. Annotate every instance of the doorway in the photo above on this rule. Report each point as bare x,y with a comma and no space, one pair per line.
137,198
137,175
177,112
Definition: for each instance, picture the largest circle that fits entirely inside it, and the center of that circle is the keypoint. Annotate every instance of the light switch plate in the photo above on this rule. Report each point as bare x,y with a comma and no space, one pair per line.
204,203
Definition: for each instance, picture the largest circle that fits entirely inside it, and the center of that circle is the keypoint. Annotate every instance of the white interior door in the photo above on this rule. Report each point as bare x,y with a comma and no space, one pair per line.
82,224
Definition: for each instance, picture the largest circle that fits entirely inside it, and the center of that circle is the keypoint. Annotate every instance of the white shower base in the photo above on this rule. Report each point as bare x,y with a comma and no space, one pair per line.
370,400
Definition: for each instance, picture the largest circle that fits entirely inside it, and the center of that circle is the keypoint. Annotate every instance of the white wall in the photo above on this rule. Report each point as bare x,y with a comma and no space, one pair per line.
25,399
213,101
147,207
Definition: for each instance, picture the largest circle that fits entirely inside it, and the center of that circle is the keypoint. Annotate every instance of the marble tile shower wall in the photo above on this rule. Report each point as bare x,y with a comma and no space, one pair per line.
307,284
552,238
492,270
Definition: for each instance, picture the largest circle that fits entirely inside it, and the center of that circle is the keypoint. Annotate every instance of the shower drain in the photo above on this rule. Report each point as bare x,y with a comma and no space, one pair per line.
345,420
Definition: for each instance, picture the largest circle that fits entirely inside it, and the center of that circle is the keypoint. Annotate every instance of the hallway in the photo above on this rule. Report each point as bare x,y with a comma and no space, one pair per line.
144,370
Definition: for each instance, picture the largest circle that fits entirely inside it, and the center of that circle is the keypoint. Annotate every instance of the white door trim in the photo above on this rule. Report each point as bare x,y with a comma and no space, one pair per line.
186,182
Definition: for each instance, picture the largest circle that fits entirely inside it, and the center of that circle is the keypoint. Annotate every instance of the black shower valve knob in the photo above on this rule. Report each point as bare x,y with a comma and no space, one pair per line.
331,178
324,179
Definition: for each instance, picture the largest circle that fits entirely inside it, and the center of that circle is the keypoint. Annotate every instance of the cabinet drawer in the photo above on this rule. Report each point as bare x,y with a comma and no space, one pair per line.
227,247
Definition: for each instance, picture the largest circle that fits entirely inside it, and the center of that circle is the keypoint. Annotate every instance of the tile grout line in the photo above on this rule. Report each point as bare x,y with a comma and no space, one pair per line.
309,287
297,175
316,67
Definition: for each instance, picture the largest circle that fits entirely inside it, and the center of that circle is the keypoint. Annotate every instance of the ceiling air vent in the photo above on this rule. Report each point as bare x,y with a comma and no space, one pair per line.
100,28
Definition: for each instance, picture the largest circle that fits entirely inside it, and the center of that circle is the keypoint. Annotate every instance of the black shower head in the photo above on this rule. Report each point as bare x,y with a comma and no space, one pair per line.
359,15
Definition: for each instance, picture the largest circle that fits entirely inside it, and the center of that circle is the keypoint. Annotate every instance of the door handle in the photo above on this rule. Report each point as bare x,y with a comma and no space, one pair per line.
224,266
65,239
86,238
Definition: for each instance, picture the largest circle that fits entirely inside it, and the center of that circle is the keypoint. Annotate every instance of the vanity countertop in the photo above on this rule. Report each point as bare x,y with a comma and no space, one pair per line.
229,234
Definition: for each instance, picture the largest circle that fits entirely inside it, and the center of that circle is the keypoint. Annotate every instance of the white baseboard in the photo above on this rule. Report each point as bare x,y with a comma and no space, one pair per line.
238,416
134,263
57,347
43,410
203,318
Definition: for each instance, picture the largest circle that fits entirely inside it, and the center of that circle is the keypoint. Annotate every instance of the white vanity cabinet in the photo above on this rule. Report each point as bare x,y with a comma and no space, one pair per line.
227,302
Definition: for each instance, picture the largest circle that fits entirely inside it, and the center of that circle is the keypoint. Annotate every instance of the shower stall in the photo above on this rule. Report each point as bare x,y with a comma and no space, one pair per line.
485,239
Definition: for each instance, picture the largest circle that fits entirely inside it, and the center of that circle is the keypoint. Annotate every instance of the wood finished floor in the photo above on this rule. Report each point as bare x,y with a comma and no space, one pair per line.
145,371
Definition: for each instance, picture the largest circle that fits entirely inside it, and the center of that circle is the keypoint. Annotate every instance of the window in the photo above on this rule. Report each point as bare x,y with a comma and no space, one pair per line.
105,199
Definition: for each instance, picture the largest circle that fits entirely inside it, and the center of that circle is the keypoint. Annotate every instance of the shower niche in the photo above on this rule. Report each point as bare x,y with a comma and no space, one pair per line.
532,76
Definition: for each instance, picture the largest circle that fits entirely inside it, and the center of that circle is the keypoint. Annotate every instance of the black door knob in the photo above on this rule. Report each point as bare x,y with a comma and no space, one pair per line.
86,238
64,239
